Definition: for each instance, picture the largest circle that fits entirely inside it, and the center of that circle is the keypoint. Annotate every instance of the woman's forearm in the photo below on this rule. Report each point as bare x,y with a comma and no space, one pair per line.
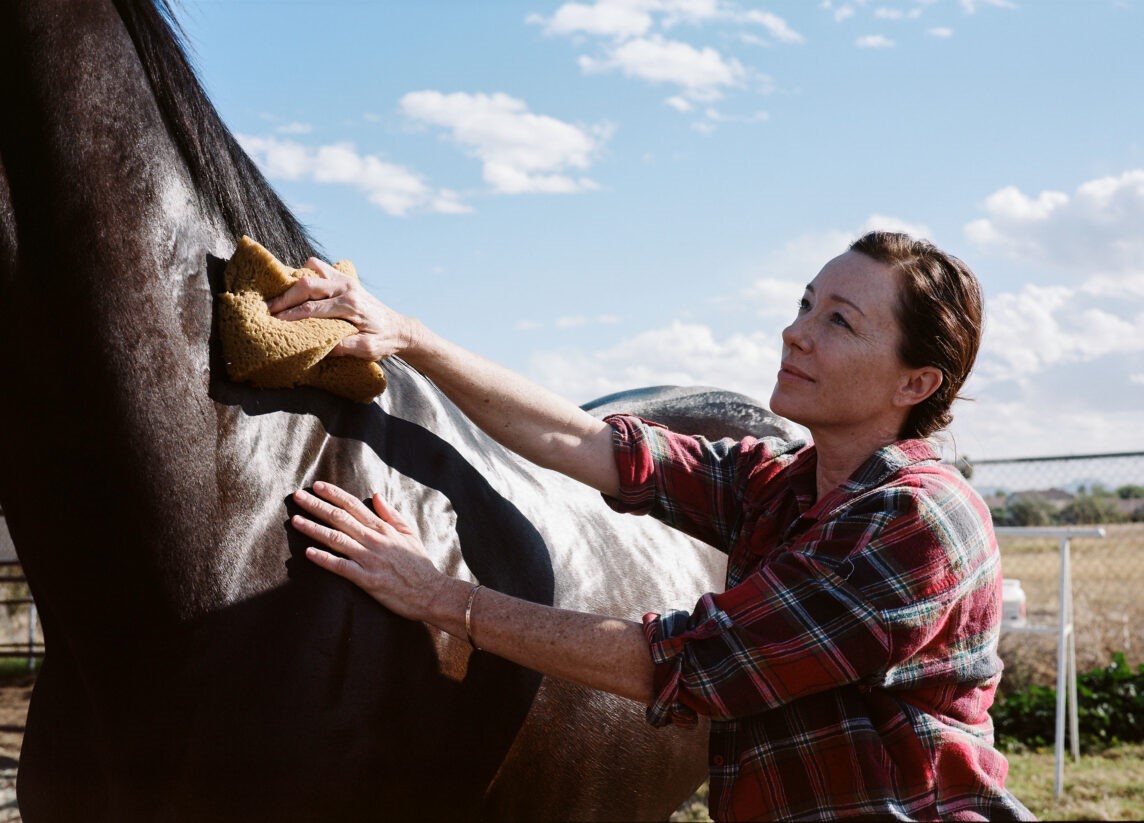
604,653
535,423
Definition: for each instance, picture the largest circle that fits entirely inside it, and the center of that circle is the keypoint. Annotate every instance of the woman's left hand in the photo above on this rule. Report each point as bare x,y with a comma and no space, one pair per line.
376,550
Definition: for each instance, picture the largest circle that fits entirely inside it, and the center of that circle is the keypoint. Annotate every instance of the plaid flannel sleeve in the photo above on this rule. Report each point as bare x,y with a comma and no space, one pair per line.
791,629
690,483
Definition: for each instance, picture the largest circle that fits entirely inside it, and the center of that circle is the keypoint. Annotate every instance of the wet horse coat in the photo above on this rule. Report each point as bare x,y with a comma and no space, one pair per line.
198,668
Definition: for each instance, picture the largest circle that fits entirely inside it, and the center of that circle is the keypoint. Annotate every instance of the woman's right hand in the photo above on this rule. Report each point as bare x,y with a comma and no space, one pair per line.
331,294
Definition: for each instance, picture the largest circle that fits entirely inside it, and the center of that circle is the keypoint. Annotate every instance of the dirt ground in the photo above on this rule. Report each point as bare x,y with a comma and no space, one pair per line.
13,711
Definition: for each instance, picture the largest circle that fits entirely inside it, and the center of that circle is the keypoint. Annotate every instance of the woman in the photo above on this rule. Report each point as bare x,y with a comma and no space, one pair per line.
848,666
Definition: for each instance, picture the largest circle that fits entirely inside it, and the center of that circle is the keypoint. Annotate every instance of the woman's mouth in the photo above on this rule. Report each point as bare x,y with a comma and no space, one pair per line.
790,372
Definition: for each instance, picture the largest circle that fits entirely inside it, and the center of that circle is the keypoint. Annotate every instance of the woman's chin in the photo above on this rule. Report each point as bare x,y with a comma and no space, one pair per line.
779,406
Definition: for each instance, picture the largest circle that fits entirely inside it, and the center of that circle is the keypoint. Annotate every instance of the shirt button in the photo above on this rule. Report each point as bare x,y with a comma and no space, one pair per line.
717,760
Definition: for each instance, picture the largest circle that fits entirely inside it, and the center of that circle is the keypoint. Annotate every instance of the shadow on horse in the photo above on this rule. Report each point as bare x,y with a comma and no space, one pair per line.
197,667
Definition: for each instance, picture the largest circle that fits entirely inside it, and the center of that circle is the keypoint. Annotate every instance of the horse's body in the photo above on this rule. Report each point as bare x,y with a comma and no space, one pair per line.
197,667
704,410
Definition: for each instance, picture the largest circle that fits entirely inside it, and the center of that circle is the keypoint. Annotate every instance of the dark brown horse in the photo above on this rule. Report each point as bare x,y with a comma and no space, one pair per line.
197,667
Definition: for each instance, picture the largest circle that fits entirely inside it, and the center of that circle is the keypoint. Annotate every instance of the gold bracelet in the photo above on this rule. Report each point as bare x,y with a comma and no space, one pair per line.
469,616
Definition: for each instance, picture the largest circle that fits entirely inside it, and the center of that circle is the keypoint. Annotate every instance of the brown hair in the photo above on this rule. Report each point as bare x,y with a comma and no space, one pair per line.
939,312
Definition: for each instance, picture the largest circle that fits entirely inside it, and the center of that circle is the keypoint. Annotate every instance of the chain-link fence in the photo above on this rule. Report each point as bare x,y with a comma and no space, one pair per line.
1107,574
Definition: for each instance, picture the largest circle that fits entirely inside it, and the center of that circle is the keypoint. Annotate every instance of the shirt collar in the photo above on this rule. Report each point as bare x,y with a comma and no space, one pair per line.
878,468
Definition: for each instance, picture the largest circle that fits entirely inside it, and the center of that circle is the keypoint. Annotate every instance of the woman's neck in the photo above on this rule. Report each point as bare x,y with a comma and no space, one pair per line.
840,454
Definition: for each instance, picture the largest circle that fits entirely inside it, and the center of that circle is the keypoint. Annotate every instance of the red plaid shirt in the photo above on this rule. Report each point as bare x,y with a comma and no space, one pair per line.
848,667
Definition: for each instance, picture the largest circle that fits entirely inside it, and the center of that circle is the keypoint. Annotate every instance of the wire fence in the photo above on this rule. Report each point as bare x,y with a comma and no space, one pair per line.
21,635
1105,490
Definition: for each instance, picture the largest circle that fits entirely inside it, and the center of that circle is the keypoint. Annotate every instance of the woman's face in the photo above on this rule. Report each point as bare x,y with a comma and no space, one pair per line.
841,372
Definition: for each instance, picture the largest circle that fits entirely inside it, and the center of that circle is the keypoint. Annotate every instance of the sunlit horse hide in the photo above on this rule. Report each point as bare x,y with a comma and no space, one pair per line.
197,667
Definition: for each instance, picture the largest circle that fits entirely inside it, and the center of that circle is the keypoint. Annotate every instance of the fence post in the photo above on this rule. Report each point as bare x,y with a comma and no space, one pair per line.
1066,641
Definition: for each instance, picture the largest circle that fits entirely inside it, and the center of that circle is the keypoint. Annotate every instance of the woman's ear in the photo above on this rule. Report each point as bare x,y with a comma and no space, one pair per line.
917,385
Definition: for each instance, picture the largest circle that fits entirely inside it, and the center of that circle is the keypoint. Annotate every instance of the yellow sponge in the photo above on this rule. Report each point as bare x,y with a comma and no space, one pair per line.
276,354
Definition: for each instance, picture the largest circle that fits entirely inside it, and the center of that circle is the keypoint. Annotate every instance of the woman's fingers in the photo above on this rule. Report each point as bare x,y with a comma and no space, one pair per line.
389,514
326,282
356,345
339,498
340,566
336,507
332,538
321,267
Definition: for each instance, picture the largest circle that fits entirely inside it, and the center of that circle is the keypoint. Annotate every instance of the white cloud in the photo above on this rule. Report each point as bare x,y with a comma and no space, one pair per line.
634,44
606,19
395,189
777,298
1040,424
1040,327
623,19
874,41
701,74
775,26
940,32
1060,361
679,354
521,152
1093,231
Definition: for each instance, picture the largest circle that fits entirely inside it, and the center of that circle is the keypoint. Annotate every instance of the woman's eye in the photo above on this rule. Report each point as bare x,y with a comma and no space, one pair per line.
839,320
803,304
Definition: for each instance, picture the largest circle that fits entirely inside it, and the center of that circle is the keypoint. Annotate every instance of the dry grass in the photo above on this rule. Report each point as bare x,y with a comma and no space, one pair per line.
1108,609
1104,786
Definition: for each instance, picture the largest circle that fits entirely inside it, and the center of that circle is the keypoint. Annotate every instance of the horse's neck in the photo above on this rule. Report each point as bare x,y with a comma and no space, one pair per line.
108,431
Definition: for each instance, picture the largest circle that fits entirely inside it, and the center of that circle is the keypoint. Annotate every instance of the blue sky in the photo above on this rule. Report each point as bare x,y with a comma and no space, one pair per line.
619,193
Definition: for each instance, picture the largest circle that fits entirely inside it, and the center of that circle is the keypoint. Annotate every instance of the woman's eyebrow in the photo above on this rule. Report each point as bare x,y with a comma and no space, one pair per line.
839,298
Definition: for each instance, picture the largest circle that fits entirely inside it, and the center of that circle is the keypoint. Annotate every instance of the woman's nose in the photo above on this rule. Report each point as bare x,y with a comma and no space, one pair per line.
795,335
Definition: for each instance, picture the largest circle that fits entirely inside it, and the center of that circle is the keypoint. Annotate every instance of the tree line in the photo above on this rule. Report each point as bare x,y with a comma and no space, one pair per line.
1091,505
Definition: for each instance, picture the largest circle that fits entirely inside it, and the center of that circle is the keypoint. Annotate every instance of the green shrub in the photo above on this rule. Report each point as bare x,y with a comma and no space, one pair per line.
1098,507
1110,710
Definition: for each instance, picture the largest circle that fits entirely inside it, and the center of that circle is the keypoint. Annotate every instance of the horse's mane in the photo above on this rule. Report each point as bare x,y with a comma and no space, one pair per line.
224,177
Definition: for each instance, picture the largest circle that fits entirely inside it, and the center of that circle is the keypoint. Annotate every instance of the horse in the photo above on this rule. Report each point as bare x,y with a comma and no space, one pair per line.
197,667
